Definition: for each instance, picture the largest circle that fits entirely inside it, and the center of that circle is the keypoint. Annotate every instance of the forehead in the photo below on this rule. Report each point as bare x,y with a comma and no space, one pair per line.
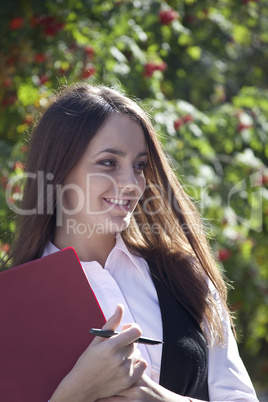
119,131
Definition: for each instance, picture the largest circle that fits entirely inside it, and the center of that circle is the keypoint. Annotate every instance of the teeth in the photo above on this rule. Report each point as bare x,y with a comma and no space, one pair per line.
118,202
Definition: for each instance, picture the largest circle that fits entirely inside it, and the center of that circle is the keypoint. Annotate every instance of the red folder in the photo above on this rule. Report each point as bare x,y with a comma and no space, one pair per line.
47,308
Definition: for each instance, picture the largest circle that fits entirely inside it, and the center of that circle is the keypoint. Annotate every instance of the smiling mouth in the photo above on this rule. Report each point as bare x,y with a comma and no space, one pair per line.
117,201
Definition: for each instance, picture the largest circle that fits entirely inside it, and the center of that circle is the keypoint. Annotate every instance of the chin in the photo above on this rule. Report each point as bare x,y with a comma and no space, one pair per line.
117,227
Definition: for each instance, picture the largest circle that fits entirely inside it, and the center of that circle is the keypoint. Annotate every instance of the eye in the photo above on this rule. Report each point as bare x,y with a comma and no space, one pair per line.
107,163
140,166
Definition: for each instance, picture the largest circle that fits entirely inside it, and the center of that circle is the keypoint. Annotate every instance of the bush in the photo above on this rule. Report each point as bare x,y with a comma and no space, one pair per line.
200,69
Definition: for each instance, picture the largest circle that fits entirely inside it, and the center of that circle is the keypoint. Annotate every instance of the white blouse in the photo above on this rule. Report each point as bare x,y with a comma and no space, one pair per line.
126,279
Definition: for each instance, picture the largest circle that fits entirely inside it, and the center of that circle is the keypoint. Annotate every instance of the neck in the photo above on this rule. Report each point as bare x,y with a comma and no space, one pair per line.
97,247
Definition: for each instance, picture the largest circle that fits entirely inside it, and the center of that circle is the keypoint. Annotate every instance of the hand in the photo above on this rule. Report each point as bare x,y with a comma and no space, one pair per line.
145,390
106,368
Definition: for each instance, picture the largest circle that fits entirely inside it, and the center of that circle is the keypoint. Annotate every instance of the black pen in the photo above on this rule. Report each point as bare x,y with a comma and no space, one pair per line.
108,333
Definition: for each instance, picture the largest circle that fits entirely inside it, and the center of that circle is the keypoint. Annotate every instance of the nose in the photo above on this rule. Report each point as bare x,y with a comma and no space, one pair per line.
127,180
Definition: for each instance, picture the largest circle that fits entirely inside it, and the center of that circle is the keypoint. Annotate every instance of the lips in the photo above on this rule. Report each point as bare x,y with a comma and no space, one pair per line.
118,201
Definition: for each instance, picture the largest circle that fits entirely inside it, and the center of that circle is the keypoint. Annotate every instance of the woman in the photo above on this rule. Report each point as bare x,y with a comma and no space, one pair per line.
110,193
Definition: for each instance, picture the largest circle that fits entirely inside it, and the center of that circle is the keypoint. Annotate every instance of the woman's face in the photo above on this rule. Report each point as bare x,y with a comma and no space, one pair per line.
102,189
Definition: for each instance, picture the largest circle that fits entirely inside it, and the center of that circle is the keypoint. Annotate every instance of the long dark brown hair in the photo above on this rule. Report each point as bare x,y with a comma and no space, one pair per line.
165,227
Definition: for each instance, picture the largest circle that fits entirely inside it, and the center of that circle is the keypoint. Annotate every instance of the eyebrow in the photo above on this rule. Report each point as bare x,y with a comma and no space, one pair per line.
121,153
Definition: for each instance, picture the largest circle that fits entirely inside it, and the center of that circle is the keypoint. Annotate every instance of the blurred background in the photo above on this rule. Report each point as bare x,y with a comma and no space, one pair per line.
200,68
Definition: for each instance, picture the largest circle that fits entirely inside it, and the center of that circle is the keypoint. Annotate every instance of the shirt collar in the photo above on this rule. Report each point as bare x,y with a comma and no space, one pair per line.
50,249
119,246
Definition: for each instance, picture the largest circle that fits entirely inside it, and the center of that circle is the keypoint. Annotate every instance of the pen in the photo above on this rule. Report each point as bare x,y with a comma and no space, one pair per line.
108,333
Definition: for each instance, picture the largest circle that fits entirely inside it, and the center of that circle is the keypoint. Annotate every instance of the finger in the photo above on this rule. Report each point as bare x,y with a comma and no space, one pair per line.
144,381
131,361
135,356
131,354
126,326
127,336
115,319
138,370
112,323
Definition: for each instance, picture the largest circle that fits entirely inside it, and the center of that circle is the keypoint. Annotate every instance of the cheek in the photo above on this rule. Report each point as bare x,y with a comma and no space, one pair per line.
98,185
71,195
70,198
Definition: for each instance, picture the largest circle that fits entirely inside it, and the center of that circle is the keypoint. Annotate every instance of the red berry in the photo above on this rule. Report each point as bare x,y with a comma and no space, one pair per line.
10,100
19,165
224,254
264,180
89,50
51,31
43,79
178,123
151,67
188,118
167,16
88,72
40,57
15,23
5,247
242,127
51,25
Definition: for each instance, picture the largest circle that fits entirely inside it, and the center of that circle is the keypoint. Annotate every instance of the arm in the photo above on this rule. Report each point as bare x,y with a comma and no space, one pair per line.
148,391
227,377
228,381
107,366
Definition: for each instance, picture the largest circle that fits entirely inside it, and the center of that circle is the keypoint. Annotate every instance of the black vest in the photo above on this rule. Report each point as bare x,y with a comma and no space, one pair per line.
184,364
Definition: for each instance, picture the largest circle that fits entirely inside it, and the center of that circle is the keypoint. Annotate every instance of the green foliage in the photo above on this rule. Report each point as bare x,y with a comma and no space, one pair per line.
200,69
